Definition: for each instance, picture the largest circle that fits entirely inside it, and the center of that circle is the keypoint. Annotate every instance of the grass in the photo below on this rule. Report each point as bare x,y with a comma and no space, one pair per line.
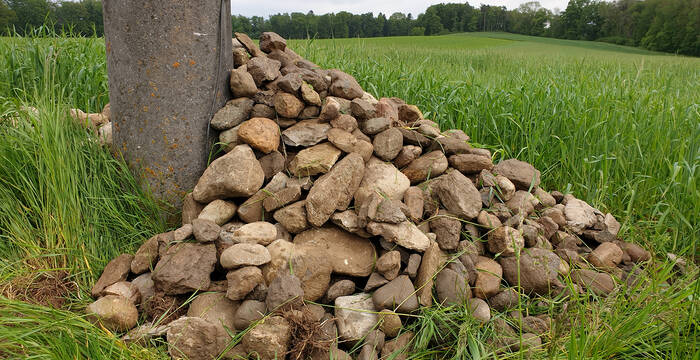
617,126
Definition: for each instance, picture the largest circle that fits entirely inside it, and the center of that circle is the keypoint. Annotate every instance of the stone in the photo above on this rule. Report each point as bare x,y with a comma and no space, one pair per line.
412,266
362,109
488,220
348,254
344,122
458,195
636,253
114,312
293,217
218,212
389,323
215,308
535,325
523,175
398,348
538,271
270,41
599,283
289,83
367,353
288,105
229,138
383,178
522,203
611,225
272,164
355,316
244,254
387,144
404,234
349,221
339,288
389,108
281,198
262,110
242,83
285,289
269,339
480,310
488,278
247,313
236,174
330,109
606,256
184,268
375,125
344,86
125,289
145,285
314,160
579,215
413,198
258,232
411,137
115,271
388,211
506,299
248,44
406,155
505,240
452,287
190,209
470,164
447,230
252,210
260,133
375,280
309,95
280,252
305,133
233,113
263,69
545,199
204,230
504,187
334,190
389,264
240,57
143,334
432,261
409,114
314,271
242,281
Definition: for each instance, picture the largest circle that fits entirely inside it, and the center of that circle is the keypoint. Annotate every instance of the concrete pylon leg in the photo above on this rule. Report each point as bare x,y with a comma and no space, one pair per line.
167,63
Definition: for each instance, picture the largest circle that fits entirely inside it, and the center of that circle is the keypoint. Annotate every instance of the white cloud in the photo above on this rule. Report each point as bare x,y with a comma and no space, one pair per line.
415,7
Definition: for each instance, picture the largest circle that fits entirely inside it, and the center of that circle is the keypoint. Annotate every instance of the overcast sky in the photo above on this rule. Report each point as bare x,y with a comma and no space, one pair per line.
415,7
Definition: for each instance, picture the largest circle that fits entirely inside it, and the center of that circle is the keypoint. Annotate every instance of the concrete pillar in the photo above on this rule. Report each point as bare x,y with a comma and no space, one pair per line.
167,63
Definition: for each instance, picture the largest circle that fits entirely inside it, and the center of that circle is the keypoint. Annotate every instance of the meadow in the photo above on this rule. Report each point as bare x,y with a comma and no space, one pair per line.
618,127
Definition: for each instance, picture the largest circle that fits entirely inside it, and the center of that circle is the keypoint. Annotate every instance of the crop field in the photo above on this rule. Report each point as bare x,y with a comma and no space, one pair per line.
619,127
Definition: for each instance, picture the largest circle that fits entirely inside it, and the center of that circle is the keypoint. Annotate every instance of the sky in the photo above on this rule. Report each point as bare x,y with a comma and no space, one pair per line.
415,7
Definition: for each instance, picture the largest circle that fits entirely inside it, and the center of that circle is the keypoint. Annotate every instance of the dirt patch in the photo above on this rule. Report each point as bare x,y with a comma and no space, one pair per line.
50,288
164,308
308,336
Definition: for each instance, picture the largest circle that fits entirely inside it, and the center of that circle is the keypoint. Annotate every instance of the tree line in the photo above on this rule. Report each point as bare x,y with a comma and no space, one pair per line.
660,25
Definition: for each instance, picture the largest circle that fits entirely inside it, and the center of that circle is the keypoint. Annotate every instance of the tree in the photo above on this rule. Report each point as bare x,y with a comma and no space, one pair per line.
7,18
31,14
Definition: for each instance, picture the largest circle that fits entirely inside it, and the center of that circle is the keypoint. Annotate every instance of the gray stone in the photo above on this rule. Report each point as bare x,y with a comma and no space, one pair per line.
204,230
248,312
305,133
263,69
398,295
235,112
387,144
355,316
284,290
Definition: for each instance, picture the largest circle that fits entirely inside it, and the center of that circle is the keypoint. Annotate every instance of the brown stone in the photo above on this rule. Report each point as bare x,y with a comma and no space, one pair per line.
288,105
348,254
115,271
432,261
488,279
261,134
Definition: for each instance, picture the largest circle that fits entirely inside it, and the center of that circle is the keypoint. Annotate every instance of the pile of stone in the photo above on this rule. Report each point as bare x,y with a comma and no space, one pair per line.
331,217
100,123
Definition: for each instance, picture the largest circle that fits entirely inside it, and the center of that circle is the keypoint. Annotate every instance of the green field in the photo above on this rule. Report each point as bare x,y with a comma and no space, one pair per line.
616,126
